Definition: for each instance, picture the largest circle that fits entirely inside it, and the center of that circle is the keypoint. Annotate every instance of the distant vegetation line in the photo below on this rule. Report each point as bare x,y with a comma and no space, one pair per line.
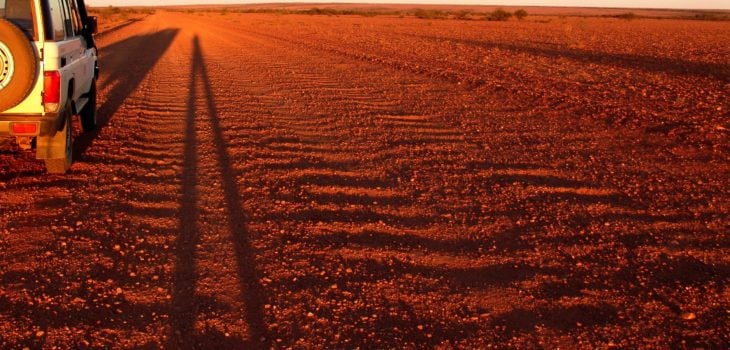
496,15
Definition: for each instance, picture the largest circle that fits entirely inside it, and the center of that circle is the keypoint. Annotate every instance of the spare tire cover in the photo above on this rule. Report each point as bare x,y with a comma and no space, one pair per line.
18,65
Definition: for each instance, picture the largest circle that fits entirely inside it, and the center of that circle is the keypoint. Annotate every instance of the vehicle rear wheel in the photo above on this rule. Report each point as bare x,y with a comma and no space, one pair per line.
18,65
88,113
63,138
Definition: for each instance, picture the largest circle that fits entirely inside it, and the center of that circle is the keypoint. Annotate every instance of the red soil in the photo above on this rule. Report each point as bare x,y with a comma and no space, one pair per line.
319,182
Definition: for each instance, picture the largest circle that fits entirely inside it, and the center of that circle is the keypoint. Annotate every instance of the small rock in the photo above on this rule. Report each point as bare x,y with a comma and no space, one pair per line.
689,316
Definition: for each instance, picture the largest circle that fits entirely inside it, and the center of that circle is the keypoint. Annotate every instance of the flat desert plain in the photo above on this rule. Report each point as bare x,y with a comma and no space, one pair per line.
296,181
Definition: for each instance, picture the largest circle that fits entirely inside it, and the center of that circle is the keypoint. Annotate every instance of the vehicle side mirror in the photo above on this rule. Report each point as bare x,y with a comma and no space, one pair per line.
92,26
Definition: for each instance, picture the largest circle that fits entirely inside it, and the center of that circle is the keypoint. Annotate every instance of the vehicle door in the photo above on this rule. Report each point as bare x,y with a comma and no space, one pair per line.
75,60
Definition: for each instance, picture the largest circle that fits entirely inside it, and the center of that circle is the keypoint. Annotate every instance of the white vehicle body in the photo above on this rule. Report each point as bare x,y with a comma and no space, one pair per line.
63,79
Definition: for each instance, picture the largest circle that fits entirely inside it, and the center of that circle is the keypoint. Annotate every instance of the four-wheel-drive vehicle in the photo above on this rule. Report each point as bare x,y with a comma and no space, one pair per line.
48,71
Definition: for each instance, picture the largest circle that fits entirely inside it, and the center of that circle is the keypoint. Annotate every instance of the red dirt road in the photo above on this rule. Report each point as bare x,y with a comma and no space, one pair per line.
337,182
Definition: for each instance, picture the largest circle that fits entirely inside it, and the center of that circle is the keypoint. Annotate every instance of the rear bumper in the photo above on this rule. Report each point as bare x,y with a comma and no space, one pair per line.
47,124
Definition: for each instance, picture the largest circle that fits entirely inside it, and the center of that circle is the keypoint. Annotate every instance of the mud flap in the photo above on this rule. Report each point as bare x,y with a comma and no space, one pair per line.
52,147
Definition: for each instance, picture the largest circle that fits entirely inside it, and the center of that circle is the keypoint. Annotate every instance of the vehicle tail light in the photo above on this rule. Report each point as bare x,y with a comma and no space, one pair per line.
24,129
51,91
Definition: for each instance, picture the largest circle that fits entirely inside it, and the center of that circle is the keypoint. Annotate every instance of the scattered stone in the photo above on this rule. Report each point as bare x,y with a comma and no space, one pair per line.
689,316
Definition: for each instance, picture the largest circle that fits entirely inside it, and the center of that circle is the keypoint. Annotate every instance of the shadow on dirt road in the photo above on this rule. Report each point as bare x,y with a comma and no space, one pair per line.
185,303
674,66
123,81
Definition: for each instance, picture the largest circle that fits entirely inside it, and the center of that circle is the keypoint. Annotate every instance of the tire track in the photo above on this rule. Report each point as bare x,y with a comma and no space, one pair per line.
316,188
247,191
307,196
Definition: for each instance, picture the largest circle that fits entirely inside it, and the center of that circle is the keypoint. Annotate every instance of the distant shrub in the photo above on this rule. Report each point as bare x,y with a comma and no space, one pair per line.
520,14
324,11
463,14
269,11
627,16
499,15
429,14
335,12
122,12
710,16
366,13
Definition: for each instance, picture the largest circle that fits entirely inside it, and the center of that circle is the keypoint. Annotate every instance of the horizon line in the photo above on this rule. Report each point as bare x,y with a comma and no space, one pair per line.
561,6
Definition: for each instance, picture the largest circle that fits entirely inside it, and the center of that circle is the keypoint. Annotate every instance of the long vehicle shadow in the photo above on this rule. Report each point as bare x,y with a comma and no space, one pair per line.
131,69
631,61
184,277
184,299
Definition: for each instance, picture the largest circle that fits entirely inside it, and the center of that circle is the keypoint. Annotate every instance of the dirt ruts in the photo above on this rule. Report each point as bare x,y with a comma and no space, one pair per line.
264,181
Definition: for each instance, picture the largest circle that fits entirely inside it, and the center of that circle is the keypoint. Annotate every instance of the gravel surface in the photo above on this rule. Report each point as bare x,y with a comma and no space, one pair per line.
268,181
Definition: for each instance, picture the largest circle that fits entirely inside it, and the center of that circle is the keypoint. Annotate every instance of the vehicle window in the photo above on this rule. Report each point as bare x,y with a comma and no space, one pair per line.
19,13
67,21
54,20
76,18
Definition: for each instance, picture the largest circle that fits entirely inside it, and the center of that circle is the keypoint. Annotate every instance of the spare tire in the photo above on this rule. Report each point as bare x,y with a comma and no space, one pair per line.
18,65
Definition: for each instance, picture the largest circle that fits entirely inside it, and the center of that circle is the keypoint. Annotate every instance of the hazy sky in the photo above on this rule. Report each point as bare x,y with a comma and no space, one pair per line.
682,4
